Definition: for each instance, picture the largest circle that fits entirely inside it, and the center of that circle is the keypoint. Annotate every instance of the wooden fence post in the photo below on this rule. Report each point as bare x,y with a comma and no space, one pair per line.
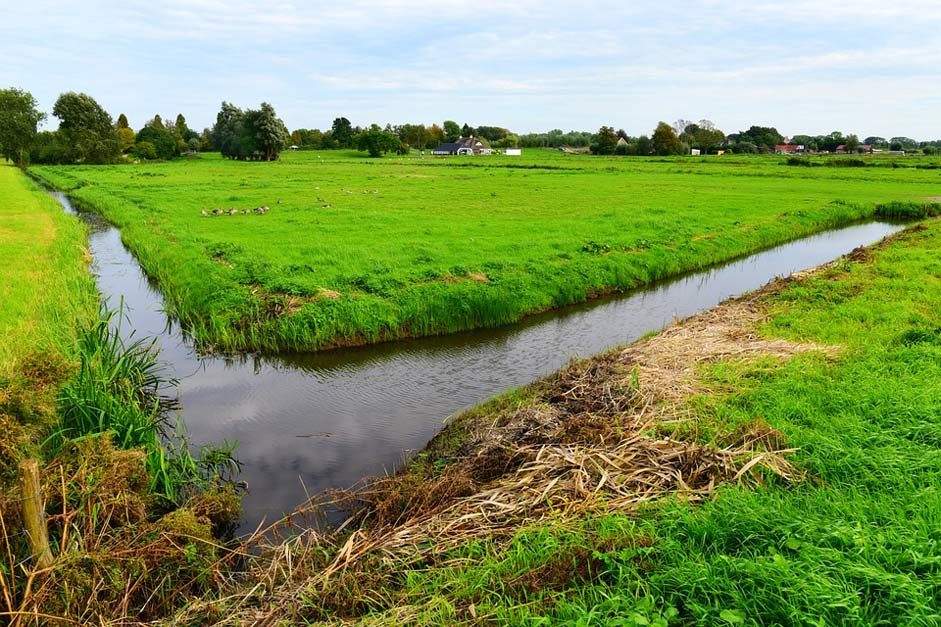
34,517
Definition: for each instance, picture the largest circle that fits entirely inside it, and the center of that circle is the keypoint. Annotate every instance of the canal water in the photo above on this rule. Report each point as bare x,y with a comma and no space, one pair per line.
309,422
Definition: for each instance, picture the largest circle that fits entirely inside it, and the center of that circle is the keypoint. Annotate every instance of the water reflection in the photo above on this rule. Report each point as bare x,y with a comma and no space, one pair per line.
322,420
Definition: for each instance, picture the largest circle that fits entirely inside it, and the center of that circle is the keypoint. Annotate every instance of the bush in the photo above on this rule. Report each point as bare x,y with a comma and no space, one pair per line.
800,161
144,150
847,163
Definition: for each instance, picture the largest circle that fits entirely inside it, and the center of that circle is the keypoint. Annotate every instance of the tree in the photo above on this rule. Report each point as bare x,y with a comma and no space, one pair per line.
145,150
49,147
157,135
807,141
511,140
903,143
227,131
19,122
205,140
664,140
852,143
127,138
492,133
680,126
605,141
183,130
264,134
87,129
416,135
703,135
451,130
436,136
766,136
122,122
342,132
377,141
831,141
876,142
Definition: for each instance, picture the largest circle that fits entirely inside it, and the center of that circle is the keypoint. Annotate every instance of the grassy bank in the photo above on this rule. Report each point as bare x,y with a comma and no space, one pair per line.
775,461
46,295
131,516
44,285
354,250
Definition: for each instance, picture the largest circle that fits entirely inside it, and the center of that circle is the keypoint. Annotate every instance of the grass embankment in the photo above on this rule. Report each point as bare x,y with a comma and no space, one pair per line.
355,250
46,295
773,462
85,405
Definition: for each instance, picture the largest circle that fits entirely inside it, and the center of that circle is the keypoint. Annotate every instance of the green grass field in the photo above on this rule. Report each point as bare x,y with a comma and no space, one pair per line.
45,289
357,250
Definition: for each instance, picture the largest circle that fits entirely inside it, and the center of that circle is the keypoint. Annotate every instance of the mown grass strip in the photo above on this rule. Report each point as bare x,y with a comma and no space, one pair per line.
45,289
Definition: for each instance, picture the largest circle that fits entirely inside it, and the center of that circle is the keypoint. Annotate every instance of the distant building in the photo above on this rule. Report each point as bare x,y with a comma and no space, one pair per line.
694,152
464,146
788,149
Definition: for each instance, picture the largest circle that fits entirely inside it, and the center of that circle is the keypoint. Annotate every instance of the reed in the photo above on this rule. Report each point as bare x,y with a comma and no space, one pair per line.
120,389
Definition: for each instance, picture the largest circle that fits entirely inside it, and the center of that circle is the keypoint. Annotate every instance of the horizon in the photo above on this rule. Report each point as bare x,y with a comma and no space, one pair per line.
529,68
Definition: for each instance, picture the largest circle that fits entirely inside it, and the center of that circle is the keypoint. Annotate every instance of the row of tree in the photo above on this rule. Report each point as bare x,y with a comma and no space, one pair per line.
87,134
342,134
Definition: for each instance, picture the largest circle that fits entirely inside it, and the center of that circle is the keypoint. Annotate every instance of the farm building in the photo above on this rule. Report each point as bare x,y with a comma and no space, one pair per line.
464,146
788,149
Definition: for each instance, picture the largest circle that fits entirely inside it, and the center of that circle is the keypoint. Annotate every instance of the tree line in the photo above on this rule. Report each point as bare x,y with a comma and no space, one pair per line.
88,134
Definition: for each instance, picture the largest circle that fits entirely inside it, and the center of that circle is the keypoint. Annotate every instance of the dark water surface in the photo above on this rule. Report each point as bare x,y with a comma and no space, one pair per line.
325,420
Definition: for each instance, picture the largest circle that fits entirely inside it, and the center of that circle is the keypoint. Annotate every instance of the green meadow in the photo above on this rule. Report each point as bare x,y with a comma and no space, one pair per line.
356,250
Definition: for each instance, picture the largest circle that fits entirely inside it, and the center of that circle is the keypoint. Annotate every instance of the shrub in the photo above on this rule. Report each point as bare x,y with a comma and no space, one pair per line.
145,150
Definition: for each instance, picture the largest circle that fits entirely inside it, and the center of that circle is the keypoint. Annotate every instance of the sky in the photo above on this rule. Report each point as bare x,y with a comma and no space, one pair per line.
870,67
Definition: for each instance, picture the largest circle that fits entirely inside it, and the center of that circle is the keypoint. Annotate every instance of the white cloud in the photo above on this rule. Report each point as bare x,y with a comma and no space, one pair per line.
528,65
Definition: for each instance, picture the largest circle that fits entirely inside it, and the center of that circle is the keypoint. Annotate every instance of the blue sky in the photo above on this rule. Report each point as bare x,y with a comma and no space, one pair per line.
872,67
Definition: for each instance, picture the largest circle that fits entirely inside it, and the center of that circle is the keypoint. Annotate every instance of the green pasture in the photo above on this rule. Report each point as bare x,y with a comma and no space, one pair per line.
356,250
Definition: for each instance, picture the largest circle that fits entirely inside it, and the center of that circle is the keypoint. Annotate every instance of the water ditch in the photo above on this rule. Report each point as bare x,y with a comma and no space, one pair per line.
308,422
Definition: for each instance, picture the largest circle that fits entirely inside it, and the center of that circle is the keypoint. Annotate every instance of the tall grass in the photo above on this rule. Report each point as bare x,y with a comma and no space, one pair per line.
120,390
